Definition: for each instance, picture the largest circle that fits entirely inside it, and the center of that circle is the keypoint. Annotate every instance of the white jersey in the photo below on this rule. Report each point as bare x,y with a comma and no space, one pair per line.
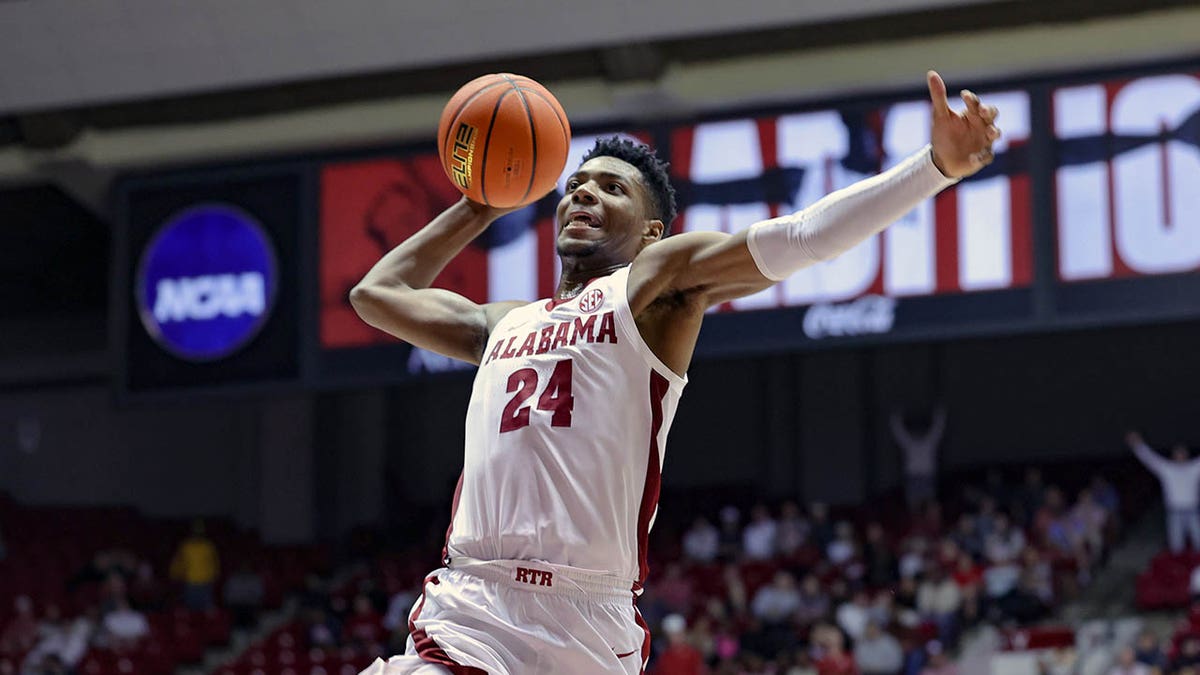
565,437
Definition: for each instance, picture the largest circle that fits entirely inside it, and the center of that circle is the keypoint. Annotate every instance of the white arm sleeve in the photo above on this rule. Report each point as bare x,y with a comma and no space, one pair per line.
842,219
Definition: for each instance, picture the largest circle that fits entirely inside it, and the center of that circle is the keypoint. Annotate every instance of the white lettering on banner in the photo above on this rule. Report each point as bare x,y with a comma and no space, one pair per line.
870,314
1148,221
927,251
206,297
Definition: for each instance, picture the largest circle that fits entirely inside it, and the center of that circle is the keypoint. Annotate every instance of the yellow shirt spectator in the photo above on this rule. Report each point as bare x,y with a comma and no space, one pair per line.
195,561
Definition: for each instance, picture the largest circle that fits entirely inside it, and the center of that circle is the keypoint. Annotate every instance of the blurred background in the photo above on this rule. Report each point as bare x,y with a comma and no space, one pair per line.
911,459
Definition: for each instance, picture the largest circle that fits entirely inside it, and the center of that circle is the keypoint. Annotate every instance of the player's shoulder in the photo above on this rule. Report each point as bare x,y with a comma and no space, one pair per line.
495,312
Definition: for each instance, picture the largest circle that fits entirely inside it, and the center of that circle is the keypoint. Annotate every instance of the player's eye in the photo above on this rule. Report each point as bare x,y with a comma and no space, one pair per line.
572,184
616,188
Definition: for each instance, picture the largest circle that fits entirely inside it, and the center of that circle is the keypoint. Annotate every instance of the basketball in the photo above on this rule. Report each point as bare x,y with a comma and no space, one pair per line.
503,140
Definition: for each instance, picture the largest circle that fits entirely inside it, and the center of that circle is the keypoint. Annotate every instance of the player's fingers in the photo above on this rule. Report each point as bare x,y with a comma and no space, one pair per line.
991,113
983,157
993,132
972,101
937,94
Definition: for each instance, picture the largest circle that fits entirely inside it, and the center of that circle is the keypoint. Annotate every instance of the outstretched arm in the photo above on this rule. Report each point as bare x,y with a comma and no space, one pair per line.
939,424
1143,452
395,296
899,432
721,266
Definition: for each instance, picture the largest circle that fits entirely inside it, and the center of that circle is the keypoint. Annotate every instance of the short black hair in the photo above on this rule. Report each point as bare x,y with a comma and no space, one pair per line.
653,170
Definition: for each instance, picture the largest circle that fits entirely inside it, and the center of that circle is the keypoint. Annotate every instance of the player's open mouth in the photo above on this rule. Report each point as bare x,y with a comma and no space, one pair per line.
582,219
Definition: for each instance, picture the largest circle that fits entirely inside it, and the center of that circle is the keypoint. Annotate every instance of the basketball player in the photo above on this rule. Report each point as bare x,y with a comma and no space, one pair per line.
568,418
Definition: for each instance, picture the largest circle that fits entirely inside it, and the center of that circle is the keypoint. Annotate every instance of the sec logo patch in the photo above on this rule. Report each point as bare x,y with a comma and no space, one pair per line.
591,301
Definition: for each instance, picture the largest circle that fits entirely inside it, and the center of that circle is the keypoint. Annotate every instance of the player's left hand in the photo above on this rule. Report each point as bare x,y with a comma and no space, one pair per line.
962,141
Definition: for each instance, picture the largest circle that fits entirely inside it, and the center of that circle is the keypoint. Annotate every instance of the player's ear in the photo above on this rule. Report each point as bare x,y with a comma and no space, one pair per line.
653,231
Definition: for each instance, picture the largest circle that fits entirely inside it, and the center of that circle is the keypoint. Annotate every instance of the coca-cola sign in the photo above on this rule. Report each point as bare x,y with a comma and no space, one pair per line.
868,315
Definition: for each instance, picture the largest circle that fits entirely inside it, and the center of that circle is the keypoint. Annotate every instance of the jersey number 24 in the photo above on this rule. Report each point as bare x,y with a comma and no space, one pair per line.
556,398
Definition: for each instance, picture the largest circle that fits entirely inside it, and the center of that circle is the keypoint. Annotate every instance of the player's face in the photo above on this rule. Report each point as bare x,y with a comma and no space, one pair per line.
605,214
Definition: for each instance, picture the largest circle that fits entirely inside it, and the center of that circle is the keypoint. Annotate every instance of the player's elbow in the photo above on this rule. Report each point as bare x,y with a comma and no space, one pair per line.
365,299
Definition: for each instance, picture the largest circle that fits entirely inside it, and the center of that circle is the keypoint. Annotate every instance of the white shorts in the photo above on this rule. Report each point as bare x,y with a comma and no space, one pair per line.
515,617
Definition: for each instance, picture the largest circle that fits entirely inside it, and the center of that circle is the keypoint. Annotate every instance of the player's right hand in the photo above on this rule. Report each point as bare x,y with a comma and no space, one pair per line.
491,213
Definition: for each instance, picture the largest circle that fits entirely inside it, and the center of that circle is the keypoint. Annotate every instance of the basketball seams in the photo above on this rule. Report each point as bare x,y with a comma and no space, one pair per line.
487,145
562,123
532,138
458,113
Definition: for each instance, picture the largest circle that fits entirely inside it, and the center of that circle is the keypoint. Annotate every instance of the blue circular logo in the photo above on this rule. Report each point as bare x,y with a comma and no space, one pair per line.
206,283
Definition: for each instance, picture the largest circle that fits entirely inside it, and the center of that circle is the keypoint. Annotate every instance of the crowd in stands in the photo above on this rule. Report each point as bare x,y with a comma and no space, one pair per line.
339,629
791,591
81,605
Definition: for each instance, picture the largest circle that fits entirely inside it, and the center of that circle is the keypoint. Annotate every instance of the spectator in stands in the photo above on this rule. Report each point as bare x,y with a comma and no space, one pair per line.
985,520
196,564
912,557
793,529
702,638
877,652
60,640
822,529
735,590
939,600
1127,664
701,542
813,603
675,590
853,615
938,662
124,627
243,595
775,603
906,602
399,605
919,441
967,536
364,627
878,558
759,537
1037,575
833,659
1147,650
1031,597
1052,524
1005,543
1106,495
1089,521
1180,478
146,593
321,629
731,534
967,574
21,631
680,657
1189,654
113,591
844,546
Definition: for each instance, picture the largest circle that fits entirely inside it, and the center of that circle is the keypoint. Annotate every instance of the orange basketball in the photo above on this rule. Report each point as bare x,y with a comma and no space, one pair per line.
503,140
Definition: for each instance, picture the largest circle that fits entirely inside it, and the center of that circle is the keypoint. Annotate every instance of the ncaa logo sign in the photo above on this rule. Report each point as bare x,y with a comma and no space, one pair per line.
591,301
206,283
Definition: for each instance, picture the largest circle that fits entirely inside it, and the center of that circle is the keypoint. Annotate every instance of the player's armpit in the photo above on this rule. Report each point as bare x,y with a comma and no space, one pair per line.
435,319
707,267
